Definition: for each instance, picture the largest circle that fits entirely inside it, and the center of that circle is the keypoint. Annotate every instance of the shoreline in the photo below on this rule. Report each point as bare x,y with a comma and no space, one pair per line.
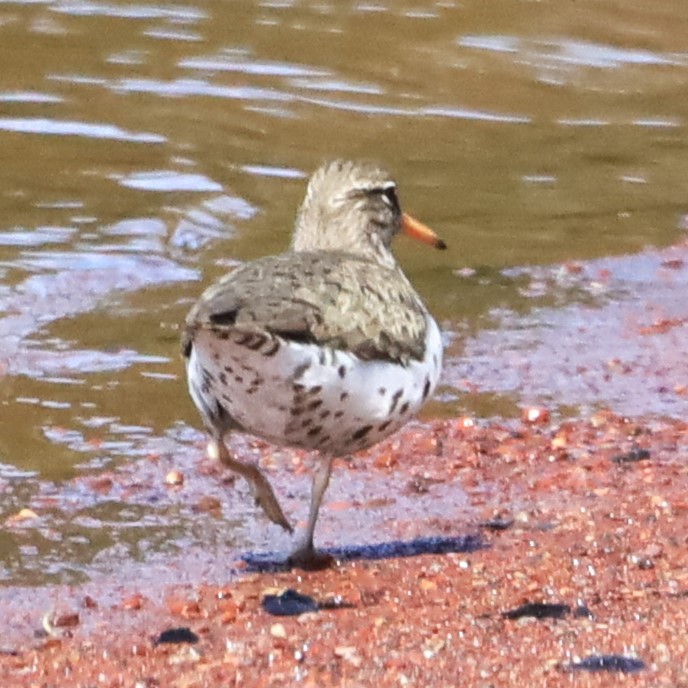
584,513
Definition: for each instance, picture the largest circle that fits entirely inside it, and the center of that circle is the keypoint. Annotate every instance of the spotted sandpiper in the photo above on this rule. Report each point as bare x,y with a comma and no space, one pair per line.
326,347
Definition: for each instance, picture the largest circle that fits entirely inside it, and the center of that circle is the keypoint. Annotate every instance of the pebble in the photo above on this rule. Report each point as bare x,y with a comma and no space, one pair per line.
67,620
632,456
619,663
174,478
176,635
278,631
538,610
349,653
289,603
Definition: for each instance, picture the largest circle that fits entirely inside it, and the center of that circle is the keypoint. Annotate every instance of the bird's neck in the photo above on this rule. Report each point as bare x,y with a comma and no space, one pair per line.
325,234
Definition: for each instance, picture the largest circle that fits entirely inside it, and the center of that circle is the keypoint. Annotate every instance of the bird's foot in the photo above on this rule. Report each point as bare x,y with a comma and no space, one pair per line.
306,557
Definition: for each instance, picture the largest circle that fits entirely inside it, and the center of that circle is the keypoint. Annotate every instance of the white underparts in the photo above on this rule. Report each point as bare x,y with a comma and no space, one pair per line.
308,396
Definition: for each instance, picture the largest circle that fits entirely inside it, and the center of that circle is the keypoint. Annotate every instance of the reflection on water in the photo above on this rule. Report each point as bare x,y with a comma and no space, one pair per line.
566,53
148,147
63,128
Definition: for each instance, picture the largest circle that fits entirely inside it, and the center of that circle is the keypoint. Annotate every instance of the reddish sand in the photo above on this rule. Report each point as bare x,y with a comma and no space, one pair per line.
592,514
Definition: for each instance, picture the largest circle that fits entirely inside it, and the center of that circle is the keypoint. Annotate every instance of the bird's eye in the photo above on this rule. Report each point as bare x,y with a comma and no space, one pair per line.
389,196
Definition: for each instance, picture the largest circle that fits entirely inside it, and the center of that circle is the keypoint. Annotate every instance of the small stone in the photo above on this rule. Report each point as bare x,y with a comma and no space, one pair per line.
187,609
185,656
610,663
228,609
22,515
348,653
582,612
133,603
102,485
289,603
208,504
228,617
598,420
385,459
559,442
642,562
538,610
632,456
51,643
67,620
535,415
176,635
433,647
174,478
89,602
334,601
659,501
498,522
653,550
278,631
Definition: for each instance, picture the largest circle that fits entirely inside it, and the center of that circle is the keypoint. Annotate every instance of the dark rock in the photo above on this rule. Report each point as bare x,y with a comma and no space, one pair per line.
632,456
582,612
497,523
289,603
538,610
620,663
176,635
335,602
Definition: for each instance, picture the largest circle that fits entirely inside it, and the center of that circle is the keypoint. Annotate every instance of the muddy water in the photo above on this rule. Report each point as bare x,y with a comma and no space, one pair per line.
147,147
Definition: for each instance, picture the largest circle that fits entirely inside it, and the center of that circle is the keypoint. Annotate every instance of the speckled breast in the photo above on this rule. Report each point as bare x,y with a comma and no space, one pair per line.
305,395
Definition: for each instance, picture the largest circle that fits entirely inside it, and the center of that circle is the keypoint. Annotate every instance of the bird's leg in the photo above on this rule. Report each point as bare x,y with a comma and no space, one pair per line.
305,554
260,487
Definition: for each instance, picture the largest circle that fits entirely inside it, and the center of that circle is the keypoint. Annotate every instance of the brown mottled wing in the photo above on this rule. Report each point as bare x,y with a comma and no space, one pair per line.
337,300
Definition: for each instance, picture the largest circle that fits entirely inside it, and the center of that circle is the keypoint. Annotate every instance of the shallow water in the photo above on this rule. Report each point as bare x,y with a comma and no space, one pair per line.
147,147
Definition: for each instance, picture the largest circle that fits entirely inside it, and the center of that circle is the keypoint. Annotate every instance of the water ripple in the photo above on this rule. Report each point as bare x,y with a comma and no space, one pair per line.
173,35
570,52
54,127
196,87
243,63
43,362
168,180
436,111
468,114
83,8
336,86
651,123
271,171
29,97
36,237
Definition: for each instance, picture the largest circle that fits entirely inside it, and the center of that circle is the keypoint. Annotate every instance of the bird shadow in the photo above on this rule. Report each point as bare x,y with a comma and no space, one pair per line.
267,562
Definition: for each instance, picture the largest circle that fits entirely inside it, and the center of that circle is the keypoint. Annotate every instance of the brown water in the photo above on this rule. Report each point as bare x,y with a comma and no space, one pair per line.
146,147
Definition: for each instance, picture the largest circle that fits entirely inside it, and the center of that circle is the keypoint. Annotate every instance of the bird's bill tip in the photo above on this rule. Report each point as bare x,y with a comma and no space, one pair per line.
420,232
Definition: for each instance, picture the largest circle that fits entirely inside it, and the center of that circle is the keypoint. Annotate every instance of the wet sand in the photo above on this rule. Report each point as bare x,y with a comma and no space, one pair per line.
588,514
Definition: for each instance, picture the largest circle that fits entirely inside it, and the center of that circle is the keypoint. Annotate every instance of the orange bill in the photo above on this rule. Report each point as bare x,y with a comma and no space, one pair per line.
420,232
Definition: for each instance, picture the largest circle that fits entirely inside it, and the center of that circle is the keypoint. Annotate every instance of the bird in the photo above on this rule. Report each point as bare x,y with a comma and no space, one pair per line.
326,347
